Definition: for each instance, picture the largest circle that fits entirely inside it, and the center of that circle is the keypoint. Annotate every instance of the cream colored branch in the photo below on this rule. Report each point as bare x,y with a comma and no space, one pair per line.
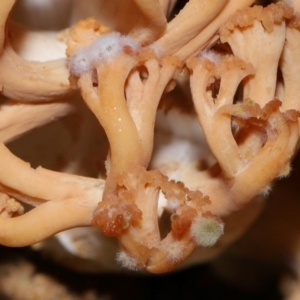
143,99
109,105
160,262
46,220
248,32
147,235
296,5
153,22
209,35
291,69
32,81
29,116
19,177
187,24
269,162
26,80
6,6
215,124
142,242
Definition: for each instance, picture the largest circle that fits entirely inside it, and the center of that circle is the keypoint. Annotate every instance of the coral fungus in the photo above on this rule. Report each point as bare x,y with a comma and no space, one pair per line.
171,126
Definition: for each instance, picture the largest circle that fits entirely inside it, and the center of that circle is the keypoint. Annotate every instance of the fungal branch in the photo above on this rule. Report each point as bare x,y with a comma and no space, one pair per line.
48,192
229,71
129,206
6,7
31,81
288,89
247,32
257,140
109,105
191,20
197,24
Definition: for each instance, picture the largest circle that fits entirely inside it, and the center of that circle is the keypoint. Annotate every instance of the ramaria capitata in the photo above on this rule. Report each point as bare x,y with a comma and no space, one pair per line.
197,120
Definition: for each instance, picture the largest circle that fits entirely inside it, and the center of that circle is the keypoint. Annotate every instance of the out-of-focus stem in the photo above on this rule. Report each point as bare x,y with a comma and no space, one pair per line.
290,69
21,179
208,35
188,23
32,81
29,116
46,220
5,8
167,6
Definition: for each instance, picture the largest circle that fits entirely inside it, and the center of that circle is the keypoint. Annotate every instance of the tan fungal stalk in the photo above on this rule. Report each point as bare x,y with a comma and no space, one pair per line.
32,80
262,135
210,34
295,5
129,125
29,80
39,187
230,71
195,16
30,116
6,7
262,31
288,66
